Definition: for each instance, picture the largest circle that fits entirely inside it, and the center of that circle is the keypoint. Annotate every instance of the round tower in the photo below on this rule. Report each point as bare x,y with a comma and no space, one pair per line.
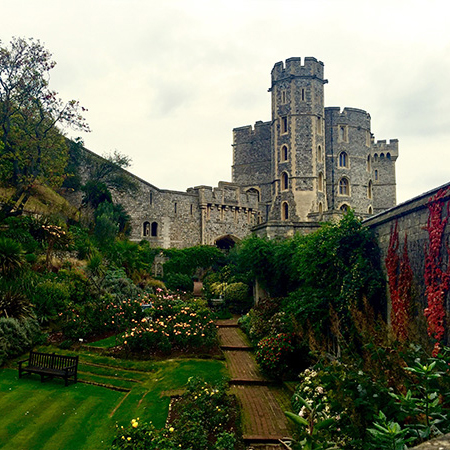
298,140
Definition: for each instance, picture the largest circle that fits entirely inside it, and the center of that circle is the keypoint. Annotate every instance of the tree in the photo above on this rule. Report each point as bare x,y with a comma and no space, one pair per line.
107,174
32,145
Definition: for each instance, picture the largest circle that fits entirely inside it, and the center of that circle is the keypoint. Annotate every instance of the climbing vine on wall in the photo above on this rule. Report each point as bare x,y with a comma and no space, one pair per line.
400,277
436,279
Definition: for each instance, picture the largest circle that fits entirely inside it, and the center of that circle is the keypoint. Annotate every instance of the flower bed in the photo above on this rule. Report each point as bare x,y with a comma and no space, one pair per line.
172,324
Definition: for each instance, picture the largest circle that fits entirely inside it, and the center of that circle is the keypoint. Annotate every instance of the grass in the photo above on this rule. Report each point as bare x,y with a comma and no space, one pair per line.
82,416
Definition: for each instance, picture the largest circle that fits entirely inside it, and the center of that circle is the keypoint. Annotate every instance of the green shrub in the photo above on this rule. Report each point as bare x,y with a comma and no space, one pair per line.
274,355
179,282
238,298
16,336
12,256
49,298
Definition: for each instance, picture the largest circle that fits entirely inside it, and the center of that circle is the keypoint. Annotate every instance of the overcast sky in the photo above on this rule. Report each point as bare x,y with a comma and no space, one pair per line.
166,81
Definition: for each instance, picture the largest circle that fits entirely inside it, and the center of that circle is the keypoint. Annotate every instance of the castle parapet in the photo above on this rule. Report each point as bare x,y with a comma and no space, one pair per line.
312,68
248,134
382,149
349,116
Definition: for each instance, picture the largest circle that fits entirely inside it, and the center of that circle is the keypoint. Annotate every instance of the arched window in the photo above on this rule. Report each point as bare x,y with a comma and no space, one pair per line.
320,209
369,189
154,229
320,182
344,188
254,191
381,155
284,211
370,210
284,181
344,208
368,164
284,153
375,157
146,229
376,174
319,154
343,159
388,156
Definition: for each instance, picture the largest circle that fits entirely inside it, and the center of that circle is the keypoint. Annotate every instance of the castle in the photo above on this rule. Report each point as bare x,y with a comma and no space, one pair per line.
304,166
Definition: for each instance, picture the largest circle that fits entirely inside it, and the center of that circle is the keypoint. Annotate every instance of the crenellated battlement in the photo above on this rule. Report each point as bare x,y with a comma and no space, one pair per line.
311,68
226,194
348,116
382,148
249,133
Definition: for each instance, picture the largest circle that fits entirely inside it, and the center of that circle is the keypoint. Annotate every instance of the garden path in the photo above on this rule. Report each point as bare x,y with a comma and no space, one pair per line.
263,403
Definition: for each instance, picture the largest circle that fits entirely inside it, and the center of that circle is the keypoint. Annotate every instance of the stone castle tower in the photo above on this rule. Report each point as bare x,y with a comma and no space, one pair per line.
310,163
304,166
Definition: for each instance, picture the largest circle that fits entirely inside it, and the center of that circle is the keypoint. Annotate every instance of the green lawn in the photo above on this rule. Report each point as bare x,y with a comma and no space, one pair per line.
35,415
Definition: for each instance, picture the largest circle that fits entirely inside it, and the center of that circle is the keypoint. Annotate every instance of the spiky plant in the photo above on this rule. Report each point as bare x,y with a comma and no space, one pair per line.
12,257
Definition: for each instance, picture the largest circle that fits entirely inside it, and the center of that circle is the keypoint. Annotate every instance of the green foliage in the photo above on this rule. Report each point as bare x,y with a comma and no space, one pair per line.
12,257
49,297
23,229
387,434
238,298
275,354
179,282
172,324
16,336
186,261
13,301
205,419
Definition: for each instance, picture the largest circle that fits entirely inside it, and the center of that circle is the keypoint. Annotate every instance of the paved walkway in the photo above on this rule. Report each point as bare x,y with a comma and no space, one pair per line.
264,422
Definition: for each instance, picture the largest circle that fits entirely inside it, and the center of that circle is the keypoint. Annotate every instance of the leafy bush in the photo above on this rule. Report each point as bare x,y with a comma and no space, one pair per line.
179,282
275,353
49,297
238,298
16,336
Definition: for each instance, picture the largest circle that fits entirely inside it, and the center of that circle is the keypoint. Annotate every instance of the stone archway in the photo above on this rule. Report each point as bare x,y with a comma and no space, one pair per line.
226,242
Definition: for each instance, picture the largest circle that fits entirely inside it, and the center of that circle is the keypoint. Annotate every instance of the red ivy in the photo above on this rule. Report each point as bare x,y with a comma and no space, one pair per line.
400,278
436,279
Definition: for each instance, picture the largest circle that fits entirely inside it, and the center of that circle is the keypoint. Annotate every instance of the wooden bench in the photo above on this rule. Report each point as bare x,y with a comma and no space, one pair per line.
50,365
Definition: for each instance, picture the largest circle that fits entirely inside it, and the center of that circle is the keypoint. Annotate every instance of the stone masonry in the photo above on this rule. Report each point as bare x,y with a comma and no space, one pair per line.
304,166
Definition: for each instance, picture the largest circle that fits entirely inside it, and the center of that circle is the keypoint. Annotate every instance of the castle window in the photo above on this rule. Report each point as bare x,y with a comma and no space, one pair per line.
388,156
320,182
192,208
344,188
303,95
284,125
154,229
319,154
343,159
175,207
284,153
284,181
342,133
283,96
369,189
151,198
370,210
320,210
375,157
381,155
319,125
146,229
367,138
344,208
376,174
368,163
284,211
